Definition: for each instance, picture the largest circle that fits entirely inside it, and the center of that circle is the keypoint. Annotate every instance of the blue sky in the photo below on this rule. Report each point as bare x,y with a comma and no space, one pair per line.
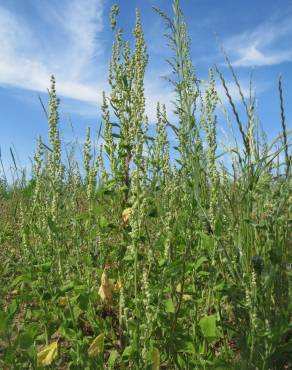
72,40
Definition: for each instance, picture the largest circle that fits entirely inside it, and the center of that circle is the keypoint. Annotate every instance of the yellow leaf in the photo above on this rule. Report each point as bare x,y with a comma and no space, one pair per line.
155,359
96,346
62,301
105,293
118,285
106,287
126,214
187,297
47,355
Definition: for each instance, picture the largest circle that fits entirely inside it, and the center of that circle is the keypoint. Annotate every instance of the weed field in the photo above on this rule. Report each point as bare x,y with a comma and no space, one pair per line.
145,254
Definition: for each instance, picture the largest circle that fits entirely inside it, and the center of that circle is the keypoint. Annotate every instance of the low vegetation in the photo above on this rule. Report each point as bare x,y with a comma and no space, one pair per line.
147,255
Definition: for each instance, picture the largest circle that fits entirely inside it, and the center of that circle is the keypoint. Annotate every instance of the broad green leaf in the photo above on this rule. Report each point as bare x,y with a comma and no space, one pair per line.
67,333
96,346
207,240
114,354
128,351
128,257
161,262
66,287
155,359
103,222
199,262
181,362
12,308
187,347
25,340
169,306
47,355
208,326
44,266
4,320
83,301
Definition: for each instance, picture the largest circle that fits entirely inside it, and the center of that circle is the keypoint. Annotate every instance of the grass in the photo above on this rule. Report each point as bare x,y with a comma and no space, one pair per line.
146,259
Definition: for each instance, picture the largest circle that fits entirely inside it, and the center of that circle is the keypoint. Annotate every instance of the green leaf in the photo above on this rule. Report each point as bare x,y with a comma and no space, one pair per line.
114,354
103,223
96,346
203,273
125,81
107,149
83,301
128,351
115,124
25,340
45,267
66,287
208,326
153,212
128,257
199,262
4,320
169,306
187,347
52,225
151,138
67,333
207,240
181,362
12,308
16,281
155,359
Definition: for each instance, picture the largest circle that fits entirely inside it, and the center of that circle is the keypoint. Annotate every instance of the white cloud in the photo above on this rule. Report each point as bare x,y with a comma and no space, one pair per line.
69,48
27,59
233,91
252,56
267,44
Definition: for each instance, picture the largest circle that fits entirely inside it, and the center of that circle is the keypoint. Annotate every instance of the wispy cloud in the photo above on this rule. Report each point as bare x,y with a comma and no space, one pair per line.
27,58
267,44
68,47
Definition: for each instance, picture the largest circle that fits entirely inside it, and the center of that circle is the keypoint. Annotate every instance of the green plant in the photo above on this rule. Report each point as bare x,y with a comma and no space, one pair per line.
149,259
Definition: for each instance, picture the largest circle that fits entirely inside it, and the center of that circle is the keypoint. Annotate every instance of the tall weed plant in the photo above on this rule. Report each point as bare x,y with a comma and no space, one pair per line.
145,259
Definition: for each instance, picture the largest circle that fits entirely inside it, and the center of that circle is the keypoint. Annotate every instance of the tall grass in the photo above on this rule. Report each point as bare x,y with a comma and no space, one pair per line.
142,261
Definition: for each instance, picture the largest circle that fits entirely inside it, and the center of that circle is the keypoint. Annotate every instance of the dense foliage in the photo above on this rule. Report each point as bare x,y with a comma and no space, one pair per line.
153,256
